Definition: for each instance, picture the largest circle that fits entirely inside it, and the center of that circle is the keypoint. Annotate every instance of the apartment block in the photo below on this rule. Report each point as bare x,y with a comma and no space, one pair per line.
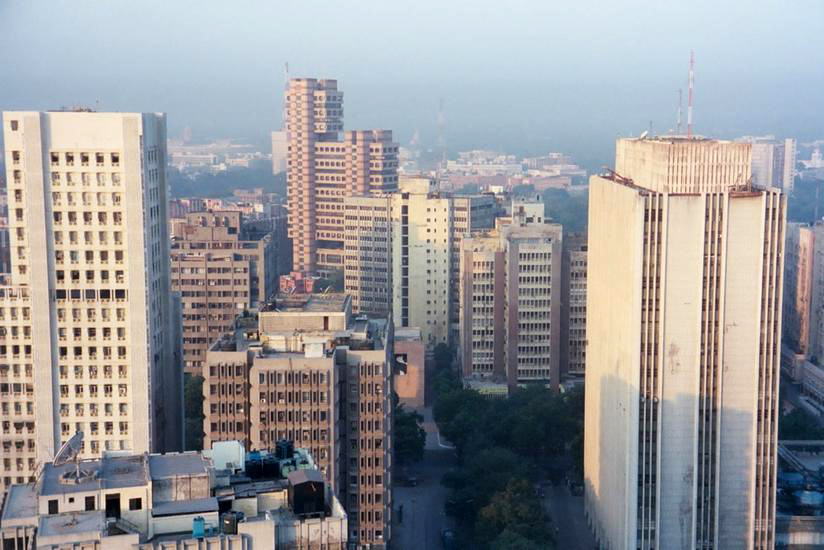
574,305
322,169
510,300
799,259
220,269
87,342
221,498
685,266
304,369
402,248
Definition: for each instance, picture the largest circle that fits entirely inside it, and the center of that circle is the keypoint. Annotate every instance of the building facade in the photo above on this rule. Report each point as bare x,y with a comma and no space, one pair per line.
322,169
510,303
87,339
798,291
220,270
574,305
773,162
685,269
303,369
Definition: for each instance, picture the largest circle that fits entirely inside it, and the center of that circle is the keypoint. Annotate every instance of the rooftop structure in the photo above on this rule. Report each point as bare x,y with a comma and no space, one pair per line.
273,499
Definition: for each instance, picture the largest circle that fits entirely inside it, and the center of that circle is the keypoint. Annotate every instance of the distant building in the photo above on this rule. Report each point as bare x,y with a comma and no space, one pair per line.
86,318
323,169
510,300
219,272
574,305
773,161
685,261
798,286
402,254
223,498
304,369
280,152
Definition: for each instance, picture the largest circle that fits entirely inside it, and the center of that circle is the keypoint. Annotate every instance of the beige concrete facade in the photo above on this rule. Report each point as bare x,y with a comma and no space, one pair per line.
510,303
680,438
87,344
798,287
403,254
410,374
303,369
574,305
219,272
323,169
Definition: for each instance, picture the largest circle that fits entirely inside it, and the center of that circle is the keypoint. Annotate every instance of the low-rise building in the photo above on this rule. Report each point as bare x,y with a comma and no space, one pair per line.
410,359
223,498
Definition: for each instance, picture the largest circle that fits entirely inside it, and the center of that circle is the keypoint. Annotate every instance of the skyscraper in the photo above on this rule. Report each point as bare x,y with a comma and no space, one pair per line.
683,332
87,314
323,169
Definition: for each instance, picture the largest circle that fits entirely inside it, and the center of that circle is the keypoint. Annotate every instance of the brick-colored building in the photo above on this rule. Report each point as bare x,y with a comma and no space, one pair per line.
219,272
322,169
303,369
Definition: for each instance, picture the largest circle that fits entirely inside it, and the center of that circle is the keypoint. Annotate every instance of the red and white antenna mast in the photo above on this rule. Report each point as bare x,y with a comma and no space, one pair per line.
689,100
680,103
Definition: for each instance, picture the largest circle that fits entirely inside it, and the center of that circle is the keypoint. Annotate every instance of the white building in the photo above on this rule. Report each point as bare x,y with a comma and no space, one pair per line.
683,343
223,498
280,151
773,161
86,319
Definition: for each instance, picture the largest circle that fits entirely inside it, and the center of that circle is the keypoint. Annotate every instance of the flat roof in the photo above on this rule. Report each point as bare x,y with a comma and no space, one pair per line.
334,302
69,523
21,503
191,506
105,473
178,464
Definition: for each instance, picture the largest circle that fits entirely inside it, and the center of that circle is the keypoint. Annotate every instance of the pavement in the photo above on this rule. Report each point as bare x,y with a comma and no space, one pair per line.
567,513
423,511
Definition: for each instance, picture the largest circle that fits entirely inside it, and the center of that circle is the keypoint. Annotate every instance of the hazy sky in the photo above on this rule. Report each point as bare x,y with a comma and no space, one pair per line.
525,77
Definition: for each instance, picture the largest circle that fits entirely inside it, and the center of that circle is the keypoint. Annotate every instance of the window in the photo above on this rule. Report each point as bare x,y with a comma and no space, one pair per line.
14,126
53,506
90,504
135,504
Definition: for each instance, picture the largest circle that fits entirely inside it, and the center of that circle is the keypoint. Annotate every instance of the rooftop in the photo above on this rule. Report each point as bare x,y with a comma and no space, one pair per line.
75,523
21,503
106,473
334,302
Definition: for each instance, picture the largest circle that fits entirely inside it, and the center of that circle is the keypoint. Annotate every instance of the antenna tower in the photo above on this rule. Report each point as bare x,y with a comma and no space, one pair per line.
689,100
680,102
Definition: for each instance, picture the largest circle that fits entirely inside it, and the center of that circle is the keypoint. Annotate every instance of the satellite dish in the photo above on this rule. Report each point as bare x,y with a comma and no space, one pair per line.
644,134
69,451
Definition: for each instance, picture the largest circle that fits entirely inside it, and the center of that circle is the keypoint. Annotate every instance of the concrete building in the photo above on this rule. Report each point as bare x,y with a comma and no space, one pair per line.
280,152
798,277
86,341
510,301
402,254
305,370
410,372
223,498
685,264
574,305
773,161
219,269
323,169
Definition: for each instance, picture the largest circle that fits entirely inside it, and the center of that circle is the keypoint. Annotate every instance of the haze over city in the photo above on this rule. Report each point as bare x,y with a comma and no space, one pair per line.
525,77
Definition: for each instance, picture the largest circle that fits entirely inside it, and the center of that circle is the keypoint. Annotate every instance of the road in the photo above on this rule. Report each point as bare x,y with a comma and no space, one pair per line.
423,515
567,513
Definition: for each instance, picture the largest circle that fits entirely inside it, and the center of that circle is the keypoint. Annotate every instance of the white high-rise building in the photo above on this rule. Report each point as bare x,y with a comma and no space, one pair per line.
683,348
86,341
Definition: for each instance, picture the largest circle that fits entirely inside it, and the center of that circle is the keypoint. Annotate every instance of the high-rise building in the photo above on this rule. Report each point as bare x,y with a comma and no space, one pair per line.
219,269
87,321
816,305
773,161
574,305
323,169
798,278
304,369
685,263
402,248
510,302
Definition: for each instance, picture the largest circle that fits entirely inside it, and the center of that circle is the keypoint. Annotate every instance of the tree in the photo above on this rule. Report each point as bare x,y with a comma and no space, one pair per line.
516,509
510,540
409,436
193,410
